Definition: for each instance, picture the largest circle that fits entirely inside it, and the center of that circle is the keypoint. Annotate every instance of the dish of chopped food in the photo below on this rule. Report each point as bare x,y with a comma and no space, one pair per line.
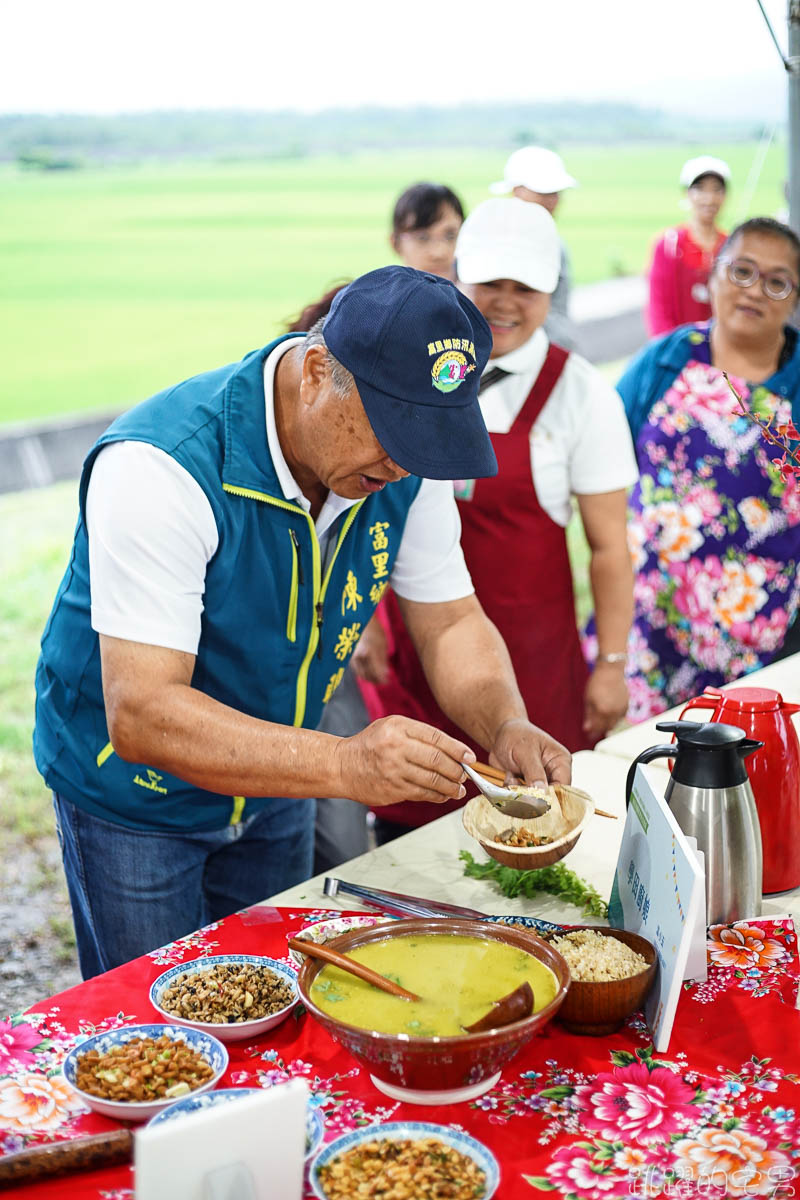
227,992
133,1071
233,996
523,837
142,1069
594,957
399,1160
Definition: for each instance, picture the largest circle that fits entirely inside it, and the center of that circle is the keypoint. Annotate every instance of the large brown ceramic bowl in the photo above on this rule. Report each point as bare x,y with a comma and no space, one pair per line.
437,1069
601,1008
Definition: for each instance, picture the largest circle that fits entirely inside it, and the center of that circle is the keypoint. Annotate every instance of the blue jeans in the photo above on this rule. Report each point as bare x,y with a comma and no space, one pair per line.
133,890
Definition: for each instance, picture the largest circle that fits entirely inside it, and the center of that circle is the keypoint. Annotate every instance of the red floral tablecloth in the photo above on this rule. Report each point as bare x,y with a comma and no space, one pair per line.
588,1118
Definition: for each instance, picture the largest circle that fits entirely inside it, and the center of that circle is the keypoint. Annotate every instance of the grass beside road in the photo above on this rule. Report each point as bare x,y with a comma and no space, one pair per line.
37,532
119,281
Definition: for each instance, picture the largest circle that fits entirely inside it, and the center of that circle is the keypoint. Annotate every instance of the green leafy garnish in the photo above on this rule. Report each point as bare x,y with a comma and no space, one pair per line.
558,880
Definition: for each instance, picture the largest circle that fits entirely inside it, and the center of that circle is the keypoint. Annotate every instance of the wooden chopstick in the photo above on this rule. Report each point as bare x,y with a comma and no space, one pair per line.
496,775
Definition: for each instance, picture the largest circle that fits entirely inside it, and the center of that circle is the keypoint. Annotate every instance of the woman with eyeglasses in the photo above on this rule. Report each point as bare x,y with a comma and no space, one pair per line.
713,528
425,225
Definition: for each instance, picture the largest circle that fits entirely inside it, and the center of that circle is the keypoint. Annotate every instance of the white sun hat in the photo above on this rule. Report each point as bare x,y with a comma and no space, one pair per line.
706,164
509,239
535,168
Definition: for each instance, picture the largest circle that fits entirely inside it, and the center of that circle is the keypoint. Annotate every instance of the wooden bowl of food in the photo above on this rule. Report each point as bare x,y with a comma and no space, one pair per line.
612,972
525,842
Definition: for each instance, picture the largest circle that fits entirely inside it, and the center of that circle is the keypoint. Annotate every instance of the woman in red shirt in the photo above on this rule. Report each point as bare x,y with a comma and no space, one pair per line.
683,256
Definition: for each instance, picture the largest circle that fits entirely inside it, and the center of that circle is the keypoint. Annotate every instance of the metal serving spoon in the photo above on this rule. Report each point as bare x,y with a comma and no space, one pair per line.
508,800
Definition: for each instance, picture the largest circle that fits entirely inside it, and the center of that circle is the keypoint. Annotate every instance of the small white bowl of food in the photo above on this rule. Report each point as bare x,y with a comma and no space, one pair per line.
133,1072
453,1163
232,996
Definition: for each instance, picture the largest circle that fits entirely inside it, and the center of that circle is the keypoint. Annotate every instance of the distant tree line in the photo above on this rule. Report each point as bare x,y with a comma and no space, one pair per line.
60,142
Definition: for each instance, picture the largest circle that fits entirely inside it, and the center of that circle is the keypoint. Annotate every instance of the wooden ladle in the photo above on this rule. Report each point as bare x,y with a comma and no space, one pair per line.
350,964
513,1007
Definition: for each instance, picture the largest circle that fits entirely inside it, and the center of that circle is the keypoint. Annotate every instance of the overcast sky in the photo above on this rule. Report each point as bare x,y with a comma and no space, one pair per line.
103,57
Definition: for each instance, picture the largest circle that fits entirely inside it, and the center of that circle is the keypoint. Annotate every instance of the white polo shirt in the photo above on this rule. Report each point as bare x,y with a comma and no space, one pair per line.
152,533
580,442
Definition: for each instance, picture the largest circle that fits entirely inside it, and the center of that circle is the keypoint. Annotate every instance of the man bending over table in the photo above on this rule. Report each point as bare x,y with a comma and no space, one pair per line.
235,534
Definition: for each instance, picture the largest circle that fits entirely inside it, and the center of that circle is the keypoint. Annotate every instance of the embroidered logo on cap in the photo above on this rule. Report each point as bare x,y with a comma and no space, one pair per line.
451,367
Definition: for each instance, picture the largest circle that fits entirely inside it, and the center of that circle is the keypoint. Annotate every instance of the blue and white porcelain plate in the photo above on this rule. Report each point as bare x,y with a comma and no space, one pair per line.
239,1030
205,1044
403,1131
315,1122
537,924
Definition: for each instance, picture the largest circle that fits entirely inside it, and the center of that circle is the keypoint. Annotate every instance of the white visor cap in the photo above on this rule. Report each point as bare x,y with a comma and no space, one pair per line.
535,168
509,239
706,164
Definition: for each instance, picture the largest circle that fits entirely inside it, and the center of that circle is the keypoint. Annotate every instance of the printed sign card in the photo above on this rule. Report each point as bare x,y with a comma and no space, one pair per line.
659,891
252,1148
697,958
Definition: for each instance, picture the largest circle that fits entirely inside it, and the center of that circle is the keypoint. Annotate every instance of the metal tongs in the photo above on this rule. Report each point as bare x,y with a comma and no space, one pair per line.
398,903
508,801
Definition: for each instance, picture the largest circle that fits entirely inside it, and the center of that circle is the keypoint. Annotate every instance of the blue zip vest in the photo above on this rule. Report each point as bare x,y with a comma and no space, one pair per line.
276,631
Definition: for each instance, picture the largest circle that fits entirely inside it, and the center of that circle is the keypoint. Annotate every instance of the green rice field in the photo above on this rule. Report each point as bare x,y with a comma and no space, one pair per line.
115,282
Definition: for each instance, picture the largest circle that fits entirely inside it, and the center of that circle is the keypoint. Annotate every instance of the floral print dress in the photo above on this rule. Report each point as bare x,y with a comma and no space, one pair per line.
714,532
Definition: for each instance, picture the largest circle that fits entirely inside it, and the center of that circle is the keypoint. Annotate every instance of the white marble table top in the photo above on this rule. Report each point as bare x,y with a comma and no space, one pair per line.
425,862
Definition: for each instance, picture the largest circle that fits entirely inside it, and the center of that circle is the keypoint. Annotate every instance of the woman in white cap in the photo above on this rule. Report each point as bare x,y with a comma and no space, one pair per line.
683,256
539,176
558,431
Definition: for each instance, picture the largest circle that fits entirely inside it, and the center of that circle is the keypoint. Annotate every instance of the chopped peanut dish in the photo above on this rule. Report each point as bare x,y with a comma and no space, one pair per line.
143,1069
227,993
403,1170
523,837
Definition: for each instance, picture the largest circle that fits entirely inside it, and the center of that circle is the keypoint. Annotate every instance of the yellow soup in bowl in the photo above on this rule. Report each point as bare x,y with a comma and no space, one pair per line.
459,978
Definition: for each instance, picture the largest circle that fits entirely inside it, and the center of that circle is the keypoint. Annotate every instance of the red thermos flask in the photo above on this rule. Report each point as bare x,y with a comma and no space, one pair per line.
774,772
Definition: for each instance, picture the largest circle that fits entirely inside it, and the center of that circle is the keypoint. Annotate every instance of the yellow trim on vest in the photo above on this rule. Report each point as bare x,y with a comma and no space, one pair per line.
291,616
238,808
319,587
319,596
302,674
251,494
105,753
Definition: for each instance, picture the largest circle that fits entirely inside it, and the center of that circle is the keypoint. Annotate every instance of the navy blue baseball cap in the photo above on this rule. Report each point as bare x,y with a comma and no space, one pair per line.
416,348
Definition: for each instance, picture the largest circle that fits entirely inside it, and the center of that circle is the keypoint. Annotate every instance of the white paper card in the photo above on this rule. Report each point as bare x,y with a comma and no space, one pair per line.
260,1141
659,891
697,958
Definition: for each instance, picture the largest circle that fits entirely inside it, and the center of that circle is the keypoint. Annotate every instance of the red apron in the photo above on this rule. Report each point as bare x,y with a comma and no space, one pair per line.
517,557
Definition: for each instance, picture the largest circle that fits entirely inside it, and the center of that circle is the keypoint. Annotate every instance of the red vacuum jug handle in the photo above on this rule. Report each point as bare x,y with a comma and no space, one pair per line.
710,698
